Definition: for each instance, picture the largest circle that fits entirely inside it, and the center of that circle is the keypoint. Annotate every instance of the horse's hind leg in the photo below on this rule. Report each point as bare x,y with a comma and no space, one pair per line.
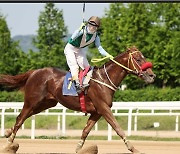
10,146
25,113
90,123
28,111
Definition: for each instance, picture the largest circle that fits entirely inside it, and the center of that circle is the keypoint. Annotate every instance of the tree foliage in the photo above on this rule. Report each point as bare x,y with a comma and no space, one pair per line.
164,42
50,43
11,55
154,29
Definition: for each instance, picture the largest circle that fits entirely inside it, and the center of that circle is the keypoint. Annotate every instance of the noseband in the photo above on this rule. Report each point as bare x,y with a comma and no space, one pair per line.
141,68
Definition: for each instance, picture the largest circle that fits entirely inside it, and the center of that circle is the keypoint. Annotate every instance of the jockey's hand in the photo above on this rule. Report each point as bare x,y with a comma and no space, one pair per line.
109,56
82,25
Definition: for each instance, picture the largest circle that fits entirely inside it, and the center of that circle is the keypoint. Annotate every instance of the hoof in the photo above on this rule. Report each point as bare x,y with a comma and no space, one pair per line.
79,146
93,149
135,151
10,148
8,133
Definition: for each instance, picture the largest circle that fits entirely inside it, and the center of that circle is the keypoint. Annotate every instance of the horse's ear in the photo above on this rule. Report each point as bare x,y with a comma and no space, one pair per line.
135,48
128,49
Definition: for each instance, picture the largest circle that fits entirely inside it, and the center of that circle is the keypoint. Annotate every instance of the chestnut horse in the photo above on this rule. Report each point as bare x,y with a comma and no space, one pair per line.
43,90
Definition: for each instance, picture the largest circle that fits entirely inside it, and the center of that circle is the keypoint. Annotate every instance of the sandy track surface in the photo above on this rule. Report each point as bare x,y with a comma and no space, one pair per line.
104,147
73,133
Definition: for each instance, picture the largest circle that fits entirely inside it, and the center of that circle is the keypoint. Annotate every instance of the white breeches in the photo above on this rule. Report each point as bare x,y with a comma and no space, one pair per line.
75,58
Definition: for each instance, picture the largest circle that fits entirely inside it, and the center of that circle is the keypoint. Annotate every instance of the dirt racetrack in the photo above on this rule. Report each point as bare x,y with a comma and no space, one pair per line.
104,147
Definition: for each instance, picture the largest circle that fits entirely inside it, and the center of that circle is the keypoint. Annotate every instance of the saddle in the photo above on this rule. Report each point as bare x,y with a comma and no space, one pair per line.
69,86
70,89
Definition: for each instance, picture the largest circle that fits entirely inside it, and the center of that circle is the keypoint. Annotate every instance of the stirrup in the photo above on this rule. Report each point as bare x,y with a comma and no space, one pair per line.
78,86
79,89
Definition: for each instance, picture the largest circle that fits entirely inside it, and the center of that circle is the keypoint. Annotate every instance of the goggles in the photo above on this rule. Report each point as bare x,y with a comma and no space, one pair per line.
93,24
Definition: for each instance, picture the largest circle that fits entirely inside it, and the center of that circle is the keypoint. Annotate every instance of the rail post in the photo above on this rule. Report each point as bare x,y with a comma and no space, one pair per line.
109,132
177,123
33,127
58,124
135,120
2,121
129,121
64,122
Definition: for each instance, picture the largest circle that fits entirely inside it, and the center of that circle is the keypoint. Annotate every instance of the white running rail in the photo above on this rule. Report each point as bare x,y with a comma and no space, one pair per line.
133,109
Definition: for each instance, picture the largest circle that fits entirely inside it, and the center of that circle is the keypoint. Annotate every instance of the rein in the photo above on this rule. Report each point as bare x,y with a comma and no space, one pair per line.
130,59
127,68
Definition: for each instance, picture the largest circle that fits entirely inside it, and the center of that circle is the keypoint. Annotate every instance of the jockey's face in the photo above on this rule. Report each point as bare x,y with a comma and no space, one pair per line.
91,28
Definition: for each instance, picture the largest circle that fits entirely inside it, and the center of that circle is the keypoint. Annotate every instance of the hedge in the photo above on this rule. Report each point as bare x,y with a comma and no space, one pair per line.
15,96
147,94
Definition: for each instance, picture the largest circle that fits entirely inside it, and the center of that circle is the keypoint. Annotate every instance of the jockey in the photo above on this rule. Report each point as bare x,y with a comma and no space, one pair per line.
81,38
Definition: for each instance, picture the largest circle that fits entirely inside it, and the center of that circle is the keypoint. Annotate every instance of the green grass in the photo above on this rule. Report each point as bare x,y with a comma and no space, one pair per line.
78,122
138,138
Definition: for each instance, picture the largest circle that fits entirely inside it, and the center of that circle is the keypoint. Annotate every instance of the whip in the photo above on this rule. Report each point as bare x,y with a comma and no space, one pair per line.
83,11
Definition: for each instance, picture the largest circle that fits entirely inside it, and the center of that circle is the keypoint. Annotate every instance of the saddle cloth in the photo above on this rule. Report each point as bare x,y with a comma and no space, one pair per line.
69,86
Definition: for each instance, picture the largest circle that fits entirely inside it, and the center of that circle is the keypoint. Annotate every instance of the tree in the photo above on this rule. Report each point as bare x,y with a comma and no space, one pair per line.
11,55
109,32
152,27
164,40
126,25
50,41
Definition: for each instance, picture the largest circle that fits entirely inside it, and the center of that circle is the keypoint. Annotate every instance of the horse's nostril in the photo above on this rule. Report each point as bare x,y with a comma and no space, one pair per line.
152,76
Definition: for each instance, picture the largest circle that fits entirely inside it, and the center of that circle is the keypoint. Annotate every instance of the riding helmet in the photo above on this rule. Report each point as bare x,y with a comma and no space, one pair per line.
94,20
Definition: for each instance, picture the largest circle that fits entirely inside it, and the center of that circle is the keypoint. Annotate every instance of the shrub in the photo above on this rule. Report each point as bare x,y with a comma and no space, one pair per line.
148,94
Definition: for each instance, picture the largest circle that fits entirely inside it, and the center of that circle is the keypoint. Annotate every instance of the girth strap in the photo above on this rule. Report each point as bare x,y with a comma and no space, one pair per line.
82,102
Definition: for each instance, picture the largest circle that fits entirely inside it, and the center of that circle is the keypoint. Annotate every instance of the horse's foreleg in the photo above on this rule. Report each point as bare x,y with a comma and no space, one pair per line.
108,115
90,123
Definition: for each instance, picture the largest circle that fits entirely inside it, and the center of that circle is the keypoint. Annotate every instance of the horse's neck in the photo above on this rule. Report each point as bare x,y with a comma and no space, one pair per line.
115,72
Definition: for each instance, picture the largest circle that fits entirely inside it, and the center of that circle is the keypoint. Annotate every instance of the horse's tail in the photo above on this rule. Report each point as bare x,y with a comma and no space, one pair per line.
15,82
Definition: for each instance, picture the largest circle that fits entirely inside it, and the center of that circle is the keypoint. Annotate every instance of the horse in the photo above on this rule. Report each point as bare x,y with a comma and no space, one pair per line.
43,89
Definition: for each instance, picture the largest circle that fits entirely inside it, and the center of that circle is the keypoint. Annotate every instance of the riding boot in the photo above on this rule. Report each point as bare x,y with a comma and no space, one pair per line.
78,86
85,86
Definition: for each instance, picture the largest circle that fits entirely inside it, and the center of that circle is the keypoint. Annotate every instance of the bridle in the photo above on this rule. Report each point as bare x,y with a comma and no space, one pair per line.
131,60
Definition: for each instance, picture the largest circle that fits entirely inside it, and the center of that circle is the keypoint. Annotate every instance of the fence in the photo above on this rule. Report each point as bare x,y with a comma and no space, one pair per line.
169,108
